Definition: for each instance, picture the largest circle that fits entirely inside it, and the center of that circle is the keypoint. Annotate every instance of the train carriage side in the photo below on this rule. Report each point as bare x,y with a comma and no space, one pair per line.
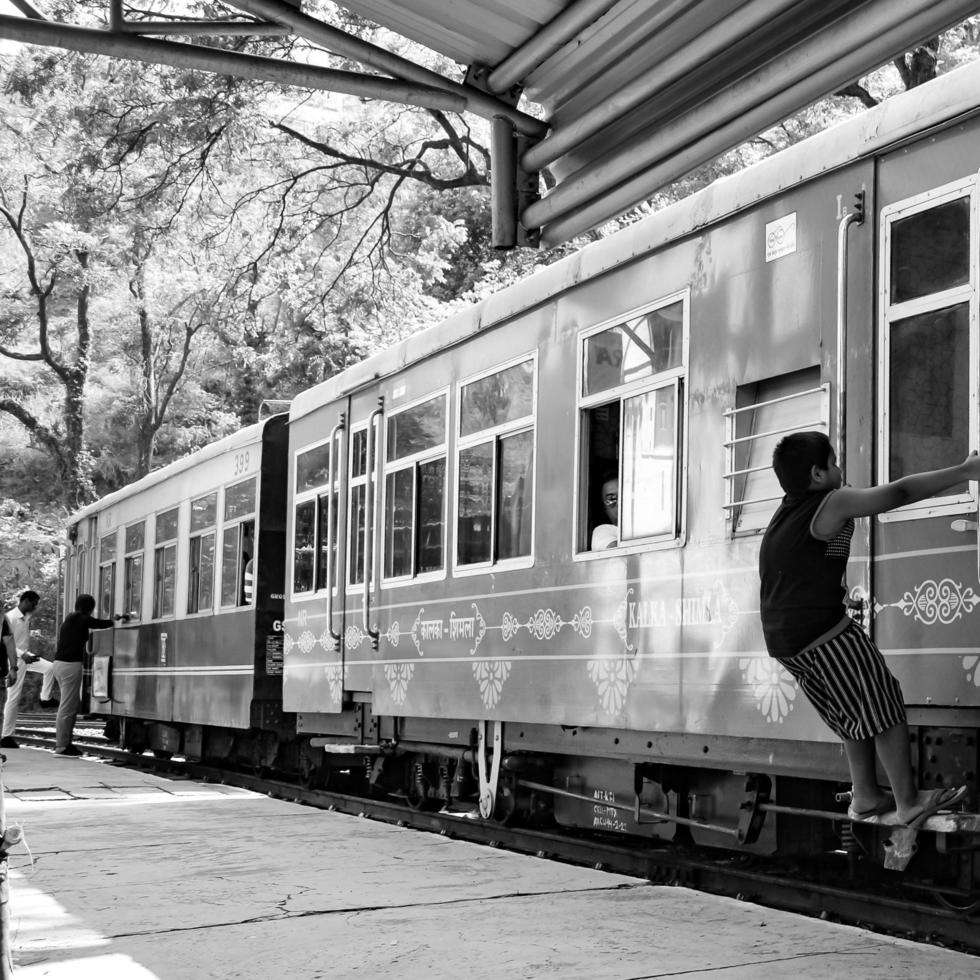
200,661
478,647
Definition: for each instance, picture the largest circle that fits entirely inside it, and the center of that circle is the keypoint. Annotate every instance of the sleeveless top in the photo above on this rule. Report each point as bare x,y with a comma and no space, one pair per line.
803,592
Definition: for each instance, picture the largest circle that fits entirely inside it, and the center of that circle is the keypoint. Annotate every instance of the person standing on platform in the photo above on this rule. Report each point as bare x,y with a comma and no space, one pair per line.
68,659
8,665
19,619
802,561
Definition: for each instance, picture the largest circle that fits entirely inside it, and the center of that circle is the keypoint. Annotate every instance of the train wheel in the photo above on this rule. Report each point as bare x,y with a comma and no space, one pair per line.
163,755
316,777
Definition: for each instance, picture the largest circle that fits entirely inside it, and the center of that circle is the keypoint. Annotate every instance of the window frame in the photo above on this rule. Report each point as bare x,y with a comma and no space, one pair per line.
160,548
314,495
889,313
820,391
494,434
352,587
110,566
198,534
129,558
414,461
677,376
236,522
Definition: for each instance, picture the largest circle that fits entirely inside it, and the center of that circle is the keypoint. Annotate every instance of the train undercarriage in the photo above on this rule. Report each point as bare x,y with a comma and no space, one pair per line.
525,775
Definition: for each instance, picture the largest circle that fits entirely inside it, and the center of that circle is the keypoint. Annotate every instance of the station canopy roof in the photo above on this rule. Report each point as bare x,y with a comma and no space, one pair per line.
613,99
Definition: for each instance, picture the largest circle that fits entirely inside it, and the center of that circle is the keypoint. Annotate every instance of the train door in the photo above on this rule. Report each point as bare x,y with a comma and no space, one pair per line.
314,611
360,570
925,575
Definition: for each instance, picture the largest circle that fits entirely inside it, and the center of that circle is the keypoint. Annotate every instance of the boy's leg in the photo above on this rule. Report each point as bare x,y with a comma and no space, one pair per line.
861,760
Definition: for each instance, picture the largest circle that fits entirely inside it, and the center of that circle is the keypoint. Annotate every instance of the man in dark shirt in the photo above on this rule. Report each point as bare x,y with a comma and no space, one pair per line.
68,660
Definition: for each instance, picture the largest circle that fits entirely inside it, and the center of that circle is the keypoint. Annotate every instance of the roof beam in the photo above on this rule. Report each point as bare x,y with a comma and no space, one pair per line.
808,72
337,42
215,60
556,33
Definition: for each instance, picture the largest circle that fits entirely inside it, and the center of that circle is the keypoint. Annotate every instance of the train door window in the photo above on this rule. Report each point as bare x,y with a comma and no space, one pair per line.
107,574
929,361
200,581
764,412
415,489
165,564
357,508
133,571
316,504
495,466
631,403
237,542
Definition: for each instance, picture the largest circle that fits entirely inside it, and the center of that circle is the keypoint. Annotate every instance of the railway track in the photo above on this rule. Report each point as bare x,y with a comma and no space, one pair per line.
842,888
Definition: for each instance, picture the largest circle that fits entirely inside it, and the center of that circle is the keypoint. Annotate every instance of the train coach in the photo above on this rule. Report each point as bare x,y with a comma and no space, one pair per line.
198,669
451,631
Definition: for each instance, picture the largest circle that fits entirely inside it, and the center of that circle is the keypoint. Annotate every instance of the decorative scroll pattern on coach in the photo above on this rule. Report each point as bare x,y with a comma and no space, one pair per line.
934,602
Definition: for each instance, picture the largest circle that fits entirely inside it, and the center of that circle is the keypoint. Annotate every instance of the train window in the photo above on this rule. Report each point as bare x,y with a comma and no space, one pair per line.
237,542
358,500
200,583
764,412
133,571
107,574
928,383
165,564
495,466
415,481
313,510
632,421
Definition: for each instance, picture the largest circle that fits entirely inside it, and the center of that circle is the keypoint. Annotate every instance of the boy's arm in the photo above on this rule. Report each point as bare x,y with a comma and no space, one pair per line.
857,502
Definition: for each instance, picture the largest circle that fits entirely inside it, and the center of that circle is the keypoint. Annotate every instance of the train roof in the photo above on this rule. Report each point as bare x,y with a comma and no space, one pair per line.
938,101
243,437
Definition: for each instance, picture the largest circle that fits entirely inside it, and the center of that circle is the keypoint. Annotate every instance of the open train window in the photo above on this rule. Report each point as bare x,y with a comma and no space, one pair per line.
928,354
133,570
165,564
200,583
764,412
237,541
107,574
415,489
631,427
495,465
316,504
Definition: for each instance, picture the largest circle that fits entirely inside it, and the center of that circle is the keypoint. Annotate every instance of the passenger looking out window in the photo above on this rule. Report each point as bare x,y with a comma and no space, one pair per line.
607,535
631,410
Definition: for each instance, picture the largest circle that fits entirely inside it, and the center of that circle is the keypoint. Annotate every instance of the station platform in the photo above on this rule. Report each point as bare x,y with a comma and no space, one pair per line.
136,876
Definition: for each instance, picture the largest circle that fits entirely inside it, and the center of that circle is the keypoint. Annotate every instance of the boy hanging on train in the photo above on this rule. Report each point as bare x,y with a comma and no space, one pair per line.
802,563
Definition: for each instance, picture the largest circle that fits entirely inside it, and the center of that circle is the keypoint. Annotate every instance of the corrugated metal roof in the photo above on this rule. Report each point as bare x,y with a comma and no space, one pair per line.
620,97
634,91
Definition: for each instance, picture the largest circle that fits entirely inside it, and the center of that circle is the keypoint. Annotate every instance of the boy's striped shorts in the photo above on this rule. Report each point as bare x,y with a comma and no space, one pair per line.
847,682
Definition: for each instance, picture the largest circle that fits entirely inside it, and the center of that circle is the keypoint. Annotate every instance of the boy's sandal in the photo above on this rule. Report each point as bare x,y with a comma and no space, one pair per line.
876,811
939,799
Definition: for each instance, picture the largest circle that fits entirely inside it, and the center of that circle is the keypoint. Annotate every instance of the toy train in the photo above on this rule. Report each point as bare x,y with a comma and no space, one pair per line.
429,618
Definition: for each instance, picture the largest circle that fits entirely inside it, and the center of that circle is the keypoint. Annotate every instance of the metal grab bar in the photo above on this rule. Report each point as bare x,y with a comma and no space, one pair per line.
331,479
370,538
853,217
